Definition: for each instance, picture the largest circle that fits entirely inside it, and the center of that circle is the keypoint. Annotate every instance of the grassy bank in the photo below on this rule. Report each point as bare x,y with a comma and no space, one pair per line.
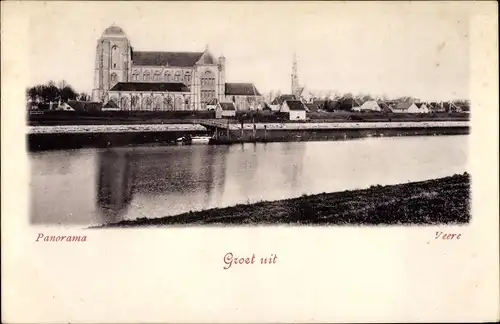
439,201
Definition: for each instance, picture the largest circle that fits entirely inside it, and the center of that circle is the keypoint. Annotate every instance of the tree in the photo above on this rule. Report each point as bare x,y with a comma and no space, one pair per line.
366,98
328,105
31,93
50,93
67,93
83,96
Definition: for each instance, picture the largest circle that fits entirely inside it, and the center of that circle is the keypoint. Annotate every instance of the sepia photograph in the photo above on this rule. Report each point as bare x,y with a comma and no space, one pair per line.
249,161
336,123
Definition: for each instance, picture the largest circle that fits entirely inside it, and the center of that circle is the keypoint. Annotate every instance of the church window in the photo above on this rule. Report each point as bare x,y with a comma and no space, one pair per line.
187,77
124,103
178,103
157,103
114,77
156,77
168,77
115,56
146,76
135,102
146,103
168,103
177,77
208,79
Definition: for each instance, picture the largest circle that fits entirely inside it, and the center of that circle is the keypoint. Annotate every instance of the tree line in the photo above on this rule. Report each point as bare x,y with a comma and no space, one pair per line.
50,92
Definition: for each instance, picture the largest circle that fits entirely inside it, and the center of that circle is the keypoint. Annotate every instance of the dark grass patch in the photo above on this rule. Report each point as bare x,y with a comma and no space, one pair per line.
439,201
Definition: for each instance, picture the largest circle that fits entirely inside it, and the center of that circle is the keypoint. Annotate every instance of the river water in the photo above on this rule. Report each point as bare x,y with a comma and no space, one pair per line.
98,186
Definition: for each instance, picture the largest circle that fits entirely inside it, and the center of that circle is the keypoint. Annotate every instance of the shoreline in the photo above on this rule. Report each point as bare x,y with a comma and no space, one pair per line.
429,202
44,138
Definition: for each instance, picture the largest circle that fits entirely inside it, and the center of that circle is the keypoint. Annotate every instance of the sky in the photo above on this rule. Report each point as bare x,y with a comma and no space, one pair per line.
392,48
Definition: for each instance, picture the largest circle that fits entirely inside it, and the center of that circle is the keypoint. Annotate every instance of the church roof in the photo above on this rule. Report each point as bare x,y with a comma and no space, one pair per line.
227,105
78,105
403,105
295,105
113,30
241,89
111,104
312,106
181,59
150,86
279,100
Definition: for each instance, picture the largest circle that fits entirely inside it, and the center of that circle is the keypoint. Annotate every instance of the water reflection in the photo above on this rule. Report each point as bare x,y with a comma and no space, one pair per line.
162,176
100,186
115,184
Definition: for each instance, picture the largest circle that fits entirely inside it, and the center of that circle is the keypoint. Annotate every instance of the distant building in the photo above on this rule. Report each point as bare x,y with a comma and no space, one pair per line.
370,105
212,104
320,103
422,108
413,109
159,80
84,106
347,104
278,101
402,107
225,109
384,107
110,106
295,108
245,96
311,107
64,107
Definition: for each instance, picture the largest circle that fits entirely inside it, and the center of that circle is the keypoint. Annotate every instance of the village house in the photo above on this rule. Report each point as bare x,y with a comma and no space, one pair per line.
402,107
370,105
212,104
225,109
295,108
462,107
422,107
82,106
311,107
413,109
277,102
111,106
320,103
347,104
384,107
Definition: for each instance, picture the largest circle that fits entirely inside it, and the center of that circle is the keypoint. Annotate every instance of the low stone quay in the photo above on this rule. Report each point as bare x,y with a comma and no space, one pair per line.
208,125
82,129
344,125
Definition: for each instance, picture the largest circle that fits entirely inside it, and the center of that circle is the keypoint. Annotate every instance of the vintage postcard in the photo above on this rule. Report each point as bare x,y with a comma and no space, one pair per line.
249,162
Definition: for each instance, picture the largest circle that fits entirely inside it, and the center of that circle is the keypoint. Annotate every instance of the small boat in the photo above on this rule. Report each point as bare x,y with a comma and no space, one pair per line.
193,139
200,139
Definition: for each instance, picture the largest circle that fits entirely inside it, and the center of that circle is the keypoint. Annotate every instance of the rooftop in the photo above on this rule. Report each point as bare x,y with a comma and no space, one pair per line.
295,105
241,89
180,59
150,86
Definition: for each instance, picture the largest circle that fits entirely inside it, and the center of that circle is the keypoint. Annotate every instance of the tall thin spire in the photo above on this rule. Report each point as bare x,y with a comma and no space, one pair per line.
295,77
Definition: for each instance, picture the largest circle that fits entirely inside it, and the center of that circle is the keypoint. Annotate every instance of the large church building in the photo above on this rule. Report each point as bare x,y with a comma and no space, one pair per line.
127,79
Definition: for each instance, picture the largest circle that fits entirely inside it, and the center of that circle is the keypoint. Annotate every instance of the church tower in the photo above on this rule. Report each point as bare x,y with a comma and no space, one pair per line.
222,77
113,62
295,77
